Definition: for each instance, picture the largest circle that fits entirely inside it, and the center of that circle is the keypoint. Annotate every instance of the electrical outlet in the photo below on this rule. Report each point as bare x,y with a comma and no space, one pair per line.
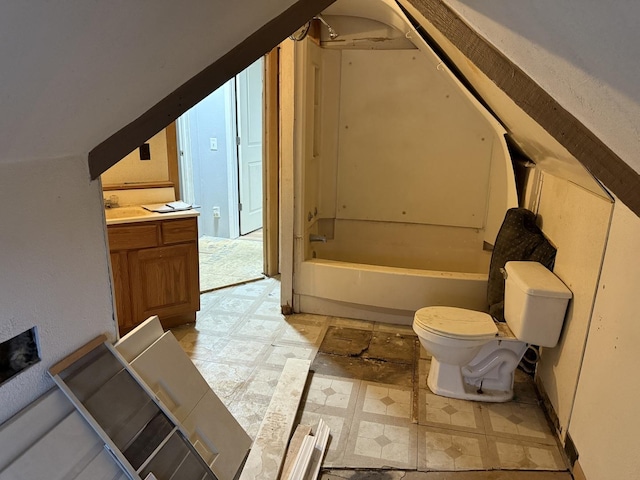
216,212
213,143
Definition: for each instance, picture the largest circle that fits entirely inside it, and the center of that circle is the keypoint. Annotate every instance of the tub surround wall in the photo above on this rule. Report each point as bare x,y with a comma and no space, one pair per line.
405,245
502,189
400,167
412,149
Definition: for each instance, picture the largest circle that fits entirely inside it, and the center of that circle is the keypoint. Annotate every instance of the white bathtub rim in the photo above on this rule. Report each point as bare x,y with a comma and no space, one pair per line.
392,288
399,270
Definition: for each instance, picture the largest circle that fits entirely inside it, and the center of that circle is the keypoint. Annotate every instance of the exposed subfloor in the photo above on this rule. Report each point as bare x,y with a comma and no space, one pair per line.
225,261
368,383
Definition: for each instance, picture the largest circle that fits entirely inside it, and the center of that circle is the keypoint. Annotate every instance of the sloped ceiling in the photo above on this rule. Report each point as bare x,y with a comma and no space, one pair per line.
520,102
75,72
92,76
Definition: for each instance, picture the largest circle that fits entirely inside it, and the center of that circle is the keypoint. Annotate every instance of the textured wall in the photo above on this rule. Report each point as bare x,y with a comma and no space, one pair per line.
54,266
76,72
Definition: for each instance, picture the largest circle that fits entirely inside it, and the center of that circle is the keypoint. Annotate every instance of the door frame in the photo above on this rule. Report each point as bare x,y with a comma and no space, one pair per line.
231,120
271,172
288,186
271,164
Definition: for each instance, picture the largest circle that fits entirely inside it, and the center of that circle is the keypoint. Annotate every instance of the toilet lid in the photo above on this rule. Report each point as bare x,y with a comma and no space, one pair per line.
456,322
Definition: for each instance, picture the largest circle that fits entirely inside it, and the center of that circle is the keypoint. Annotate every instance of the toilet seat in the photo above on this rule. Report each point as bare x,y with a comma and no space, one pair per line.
456,323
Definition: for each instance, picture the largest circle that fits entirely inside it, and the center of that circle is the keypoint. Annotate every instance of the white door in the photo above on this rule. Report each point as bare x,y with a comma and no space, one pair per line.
249,102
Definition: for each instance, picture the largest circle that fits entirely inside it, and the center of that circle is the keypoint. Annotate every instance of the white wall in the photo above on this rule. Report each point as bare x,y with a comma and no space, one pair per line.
54,271
582,52
577,223
605,421
76,72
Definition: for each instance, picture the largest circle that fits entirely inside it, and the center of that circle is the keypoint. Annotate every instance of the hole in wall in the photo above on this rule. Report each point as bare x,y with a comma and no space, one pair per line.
18,353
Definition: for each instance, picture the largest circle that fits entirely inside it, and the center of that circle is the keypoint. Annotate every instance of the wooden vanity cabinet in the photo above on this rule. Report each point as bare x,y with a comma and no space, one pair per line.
155,271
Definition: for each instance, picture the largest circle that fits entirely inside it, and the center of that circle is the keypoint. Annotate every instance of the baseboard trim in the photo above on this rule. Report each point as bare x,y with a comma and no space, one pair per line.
548,407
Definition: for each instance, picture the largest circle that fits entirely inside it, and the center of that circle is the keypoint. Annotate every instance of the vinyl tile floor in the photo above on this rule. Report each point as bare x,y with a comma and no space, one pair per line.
368,382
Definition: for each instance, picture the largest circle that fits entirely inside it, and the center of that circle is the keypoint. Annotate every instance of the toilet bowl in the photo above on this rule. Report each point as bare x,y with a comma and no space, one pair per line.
474,357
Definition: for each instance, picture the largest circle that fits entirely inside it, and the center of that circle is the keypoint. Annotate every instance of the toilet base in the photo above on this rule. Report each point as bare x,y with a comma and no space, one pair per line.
447,381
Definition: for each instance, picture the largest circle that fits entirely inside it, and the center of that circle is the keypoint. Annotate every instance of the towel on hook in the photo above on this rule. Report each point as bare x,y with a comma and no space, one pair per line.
519,238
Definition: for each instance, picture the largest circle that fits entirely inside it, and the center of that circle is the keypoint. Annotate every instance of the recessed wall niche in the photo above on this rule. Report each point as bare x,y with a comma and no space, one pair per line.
18,353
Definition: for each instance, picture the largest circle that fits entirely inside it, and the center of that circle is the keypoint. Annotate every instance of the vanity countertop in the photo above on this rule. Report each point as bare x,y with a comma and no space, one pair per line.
134,214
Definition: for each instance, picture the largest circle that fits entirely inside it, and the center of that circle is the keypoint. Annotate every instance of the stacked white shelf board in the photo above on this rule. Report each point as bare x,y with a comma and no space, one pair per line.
66,433
159,360
141,434
49,440
104,407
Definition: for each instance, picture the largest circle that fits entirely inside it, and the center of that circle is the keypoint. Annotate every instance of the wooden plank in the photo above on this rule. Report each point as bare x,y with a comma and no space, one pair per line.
81,352
583,144
116,147
301,465
294,448
322,439
267,453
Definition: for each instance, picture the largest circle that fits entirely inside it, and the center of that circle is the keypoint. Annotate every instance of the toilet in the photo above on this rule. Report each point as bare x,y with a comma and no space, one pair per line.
474,357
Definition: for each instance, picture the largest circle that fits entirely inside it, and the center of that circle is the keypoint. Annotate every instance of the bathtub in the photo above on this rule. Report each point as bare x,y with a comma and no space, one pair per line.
384,273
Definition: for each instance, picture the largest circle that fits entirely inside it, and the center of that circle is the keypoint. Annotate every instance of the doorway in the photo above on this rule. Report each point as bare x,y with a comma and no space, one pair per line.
220,161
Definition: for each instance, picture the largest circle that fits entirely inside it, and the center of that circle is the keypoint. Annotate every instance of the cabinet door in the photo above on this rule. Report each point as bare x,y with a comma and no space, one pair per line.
121,291
164,281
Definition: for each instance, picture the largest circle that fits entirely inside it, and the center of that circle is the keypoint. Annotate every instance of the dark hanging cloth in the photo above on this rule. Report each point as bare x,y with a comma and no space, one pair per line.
519,238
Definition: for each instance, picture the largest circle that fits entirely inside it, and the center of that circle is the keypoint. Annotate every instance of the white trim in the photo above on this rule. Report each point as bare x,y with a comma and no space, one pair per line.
287,169
185,159
232,157
301,56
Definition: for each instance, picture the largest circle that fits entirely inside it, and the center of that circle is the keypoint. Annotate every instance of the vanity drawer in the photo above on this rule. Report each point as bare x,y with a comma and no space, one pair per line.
133,237
178,231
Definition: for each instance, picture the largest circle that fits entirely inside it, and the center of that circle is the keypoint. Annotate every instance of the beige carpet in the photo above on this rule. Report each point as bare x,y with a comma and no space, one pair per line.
225,262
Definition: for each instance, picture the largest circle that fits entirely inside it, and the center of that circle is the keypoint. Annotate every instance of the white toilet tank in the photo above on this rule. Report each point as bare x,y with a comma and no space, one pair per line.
535,302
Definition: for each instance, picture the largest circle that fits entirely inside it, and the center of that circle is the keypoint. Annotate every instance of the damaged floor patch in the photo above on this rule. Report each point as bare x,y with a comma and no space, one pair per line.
365,355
